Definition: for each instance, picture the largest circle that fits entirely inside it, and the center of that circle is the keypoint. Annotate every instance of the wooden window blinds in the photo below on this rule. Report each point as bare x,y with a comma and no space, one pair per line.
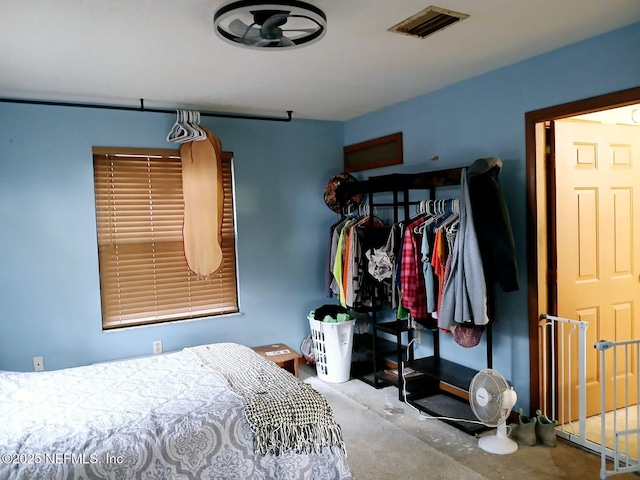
144,277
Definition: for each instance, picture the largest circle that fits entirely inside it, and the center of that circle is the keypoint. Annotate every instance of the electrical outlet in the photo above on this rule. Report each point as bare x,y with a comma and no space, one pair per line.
157,346
38,364
416,335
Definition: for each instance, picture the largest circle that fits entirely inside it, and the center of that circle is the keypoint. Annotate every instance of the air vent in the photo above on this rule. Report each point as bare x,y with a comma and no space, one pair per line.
427,22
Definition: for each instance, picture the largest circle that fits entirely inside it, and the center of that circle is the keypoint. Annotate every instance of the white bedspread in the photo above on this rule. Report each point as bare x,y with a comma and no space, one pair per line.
157,418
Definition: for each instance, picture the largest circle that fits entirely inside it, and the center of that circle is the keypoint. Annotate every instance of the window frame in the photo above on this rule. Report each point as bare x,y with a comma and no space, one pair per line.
184,302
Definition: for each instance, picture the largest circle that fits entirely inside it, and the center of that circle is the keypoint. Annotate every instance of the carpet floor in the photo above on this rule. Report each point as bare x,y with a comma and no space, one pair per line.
377,448
387,439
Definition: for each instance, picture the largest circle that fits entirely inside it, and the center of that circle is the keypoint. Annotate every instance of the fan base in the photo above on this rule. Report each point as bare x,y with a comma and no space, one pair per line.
497,444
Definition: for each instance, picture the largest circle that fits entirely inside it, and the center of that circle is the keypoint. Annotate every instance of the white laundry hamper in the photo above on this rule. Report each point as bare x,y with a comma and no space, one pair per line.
332,344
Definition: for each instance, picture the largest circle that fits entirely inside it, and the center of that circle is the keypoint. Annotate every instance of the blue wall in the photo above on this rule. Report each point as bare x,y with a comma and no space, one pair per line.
49,290
483,117
49,283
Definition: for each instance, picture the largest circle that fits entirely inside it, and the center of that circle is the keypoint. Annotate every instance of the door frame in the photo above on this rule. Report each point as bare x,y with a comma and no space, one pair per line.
540,185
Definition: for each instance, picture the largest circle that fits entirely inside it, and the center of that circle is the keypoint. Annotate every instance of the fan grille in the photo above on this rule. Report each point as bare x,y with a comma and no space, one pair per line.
259,25
486,396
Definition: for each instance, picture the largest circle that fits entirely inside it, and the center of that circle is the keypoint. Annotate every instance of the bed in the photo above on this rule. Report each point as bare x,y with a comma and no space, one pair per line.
218,412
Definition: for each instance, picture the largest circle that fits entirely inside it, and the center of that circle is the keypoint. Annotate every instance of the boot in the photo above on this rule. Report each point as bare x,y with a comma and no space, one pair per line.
525,432
546,430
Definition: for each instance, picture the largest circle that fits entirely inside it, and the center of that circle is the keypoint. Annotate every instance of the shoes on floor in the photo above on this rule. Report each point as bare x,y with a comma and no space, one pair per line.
525,431
545,430
531,430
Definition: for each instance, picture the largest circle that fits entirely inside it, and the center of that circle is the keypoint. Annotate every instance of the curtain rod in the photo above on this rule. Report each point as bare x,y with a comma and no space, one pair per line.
142,108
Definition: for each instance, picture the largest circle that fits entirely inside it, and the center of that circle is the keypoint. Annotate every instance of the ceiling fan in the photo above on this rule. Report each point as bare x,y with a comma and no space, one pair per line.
269,24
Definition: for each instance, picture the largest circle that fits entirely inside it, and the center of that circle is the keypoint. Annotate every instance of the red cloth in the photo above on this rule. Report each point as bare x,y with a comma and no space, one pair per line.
414,295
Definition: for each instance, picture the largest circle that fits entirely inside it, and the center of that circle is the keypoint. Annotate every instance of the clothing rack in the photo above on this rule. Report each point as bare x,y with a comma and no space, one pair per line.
442,375
142,108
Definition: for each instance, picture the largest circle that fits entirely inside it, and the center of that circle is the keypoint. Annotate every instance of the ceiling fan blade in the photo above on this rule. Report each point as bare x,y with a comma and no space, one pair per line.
241,29
303,30
286,42
254,42
275,21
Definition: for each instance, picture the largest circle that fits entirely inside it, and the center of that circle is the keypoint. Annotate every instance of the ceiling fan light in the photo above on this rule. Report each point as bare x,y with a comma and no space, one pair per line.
269,25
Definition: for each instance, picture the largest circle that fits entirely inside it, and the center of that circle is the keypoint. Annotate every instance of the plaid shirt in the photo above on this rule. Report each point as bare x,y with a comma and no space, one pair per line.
414,297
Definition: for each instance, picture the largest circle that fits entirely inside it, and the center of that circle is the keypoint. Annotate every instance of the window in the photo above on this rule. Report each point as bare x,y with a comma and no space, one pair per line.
144,277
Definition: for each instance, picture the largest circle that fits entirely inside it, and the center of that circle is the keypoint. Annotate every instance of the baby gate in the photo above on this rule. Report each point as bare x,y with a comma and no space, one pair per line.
614,434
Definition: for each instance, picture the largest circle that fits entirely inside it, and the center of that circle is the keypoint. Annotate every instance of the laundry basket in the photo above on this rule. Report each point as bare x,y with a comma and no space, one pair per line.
332,343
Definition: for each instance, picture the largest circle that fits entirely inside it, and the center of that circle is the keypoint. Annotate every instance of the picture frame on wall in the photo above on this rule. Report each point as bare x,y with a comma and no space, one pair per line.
376,153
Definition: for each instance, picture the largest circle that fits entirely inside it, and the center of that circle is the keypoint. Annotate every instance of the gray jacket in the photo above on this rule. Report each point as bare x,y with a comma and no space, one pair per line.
465,293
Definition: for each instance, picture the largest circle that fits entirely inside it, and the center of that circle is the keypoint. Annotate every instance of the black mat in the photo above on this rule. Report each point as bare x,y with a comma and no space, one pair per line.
441,405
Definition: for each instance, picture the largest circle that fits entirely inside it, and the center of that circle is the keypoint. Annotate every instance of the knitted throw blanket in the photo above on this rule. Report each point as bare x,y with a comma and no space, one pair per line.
285,414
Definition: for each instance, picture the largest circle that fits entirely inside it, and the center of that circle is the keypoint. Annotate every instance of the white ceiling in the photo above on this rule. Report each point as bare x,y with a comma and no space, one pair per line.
629,115
165,51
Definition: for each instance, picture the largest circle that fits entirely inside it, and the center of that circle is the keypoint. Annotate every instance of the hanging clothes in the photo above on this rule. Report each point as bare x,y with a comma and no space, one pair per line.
336,272
411,277
380,264
426,250
439,262
465,295
492,223
373,292
339,261
433,265
330,258
350,283
434,239
397,230
353,275
383,262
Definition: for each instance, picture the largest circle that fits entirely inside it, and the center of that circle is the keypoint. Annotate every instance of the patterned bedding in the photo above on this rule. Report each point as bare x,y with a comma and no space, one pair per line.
165,417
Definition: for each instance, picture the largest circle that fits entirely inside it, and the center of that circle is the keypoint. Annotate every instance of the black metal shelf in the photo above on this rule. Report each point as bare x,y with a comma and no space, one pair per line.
396,380
397,182
364,342
439,377
393,328
365,369
450,373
